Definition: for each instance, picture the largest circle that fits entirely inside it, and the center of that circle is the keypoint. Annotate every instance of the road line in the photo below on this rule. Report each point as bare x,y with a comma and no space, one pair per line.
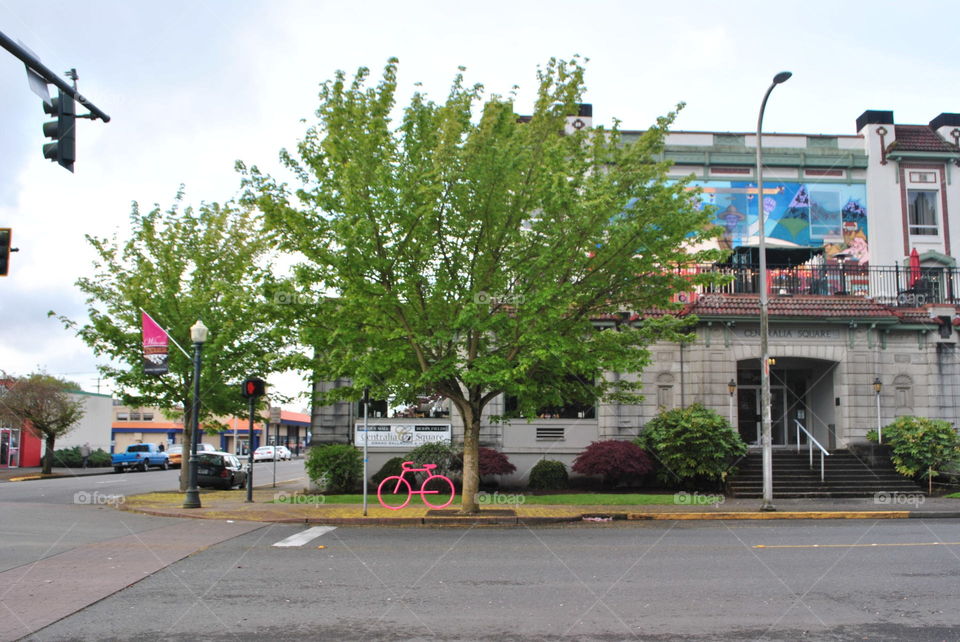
303,537
857,545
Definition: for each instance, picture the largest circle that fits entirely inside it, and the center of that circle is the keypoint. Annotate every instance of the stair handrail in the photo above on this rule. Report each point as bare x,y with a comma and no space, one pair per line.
811,440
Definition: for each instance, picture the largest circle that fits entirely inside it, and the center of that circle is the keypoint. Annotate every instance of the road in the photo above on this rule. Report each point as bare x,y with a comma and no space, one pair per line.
824,580
64,546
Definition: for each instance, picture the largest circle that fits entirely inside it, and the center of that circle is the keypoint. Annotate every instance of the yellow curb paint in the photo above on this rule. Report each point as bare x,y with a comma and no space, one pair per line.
775,515
857,545
26,478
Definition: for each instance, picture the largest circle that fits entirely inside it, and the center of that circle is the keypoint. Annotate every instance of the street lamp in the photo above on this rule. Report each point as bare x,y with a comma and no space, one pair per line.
731,388
766,433
877,385
198,334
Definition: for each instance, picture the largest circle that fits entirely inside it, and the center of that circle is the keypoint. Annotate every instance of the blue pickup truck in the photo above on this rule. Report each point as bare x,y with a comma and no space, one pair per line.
141,457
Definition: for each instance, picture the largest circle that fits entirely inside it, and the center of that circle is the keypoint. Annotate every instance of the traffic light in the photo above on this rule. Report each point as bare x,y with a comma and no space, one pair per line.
253,388
5,241
62,130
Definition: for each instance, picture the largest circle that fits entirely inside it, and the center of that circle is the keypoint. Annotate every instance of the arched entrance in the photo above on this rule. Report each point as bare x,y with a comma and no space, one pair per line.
801,390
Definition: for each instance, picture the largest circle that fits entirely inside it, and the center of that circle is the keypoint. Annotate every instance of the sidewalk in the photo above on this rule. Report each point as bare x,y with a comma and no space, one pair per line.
33,472
283,505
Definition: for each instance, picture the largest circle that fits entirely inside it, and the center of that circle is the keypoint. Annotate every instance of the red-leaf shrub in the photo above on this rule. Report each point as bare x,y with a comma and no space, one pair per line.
617,461
494,462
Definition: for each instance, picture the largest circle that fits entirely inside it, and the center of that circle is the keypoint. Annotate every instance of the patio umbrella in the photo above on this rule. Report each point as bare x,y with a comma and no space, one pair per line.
914,266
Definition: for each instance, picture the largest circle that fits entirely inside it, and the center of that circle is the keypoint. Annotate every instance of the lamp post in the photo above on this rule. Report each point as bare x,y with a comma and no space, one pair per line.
731,388
877,385
198,334
767,429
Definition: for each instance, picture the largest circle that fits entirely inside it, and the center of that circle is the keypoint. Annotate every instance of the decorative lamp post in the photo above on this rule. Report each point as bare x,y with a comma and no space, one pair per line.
877,385
198,334
731,388
767,430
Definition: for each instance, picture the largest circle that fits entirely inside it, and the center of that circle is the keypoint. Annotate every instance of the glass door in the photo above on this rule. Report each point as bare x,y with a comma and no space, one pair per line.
750,419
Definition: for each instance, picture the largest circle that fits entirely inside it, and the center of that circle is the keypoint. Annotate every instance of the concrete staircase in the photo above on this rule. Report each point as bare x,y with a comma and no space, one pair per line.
845,476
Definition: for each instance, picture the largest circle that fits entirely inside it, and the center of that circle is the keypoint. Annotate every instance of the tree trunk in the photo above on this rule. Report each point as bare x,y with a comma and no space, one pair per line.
48,456
471,462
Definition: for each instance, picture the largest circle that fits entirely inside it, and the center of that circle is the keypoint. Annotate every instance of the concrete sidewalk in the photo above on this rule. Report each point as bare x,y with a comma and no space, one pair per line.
33,472
283,504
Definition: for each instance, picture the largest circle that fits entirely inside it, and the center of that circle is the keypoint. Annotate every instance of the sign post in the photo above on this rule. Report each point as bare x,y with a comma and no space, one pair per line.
366,458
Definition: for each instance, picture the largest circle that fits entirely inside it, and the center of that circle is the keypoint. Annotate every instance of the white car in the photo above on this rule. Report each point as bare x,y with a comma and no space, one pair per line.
266,453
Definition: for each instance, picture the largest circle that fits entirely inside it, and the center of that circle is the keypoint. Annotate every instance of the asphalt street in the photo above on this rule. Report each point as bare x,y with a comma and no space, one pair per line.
791,580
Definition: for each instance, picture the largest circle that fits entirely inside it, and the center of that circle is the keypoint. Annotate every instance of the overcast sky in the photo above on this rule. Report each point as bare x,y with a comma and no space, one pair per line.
192,86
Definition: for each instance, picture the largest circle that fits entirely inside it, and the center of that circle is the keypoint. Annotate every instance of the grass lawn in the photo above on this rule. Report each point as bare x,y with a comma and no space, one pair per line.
566,499
953,496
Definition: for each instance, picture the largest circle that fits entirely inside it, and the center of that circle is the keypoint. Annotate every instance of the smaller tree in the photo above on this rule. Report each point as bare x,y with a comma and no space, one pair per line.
42,403
616,461
920,447
693,445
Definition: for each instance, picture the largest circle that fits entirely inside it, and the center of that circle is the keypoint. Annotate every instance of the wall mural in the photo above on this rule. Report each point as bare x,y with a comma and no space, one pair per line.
828,215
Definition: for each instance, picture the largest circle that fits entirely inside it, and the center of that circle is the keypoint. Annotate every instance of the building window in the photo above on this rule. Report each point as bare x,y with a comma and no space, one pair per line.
134,416
148,416
123,416
922,206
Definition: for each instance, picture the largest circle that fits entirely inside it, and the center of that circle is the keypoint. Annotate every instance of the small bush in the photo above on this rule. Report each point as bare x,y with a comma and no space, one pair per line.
340,466
694,446
445,456
491,462
390,468
70,458
616,461
920,445
548,474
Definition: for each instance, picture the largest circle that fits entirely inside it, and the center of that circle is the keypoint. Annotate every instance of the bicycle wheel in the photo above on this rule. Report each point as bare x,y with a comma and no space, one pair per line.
392,490
438,491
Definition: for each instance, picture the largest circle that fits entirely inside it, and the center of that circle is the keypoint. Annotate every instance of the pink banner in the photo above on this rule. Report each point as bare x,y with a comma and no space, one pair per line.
155,348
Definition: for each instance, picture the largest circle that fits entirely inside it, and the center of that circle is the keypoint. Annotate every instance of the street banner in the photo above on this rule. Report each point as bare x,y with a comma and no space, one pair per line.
155,348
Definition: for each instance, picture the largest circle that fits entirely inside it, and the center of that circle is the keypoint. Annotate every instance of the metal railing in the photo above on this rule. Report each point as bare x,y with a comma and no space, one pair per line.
811,441
892,285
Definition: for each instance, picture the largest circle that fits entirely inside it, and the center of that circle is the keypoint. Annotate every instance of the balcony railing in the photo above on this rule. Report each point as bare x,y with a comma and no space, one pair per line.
888,285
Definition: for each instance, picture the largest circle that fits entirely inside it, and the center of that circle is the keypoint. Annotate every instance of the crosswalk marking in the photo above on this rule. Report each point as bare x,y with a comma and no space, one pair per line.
301,538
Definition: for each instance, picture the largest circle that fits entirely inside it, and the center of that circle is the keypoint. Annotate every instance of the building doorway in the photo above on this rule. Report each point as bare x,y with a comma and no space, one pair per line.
9,447
801,391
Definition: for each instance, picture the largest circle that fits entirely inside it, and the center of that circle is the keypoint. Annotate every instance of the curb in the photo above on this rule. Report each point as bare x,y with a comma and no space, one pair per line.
56,476
543,520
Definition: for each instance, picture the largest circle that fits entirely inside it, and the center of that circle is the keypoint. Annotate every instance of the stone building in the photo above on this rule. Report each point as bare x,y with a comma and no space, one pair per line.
860,235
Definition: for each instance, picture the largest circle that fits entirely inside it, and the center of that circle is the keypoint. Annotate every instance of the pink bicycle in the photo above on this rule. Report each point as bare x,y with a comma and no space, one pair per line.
397,488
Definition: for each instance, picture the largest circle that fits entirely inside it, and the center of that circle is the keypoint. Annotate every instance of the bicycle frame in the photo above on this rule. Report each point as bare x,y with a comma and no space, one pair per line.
401,481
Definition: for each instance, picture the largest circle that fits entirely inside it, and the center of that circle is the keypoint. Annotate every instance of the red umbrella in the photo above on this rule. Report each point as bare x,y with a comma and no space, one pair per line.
914,266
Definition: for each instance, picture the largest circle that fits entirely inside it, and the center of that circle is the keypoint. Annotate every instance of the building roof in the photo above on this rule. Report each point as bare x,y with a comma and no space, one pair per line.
919,138
827,307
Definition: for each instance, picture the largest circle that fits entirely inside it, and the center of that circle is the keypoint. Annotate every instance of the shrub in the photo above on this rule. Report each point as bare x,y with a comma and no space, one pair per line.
693,445
445,456
491,462
617,461
548,474
390,468
70,458
919,445
339,466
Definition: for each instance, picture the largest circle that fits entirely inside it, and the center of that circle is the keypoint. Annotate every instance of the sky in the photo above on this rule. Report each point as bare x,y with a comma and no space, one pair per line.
193,86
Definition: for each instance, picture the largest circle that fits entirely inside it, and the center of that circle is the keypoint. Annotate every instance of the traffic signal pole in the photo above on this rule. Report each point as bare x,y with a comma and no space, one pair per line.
65,88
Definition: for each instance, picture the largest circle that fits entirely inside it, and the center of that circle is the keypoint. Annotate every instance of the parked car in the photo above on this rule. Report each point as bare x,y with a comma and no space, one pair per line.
220,470
269,453
141,457
176,452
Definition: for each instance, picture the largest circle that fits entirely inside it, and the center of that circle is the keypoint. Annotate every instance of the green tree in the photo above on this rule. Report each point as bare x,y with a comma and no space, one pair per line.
43,402
468,252
207,263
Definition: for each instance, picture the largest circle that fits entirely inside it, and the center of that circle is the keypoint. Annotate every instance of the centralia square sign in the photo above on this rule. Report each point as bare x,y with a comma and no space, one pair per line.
381,435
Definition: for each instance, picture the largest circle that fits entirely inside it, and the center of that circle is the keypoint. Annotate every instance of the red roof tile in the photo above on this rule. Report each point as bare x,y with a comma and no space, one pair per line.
794,306
919,138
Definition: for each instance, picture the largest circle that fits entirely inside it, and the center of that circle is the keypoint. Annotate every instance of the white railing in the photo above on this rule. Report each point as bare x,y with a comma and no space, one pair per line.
811,440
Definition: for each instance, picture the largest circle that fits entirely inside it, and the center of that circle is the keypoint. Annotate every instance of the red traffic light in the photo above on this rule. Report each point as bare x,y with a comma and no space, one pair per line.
253,388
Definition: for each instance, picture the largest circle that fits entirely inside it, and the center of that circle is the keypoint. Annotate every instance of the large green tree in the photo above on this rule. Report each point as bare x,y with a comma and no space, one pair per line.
181,265
42,403
469,252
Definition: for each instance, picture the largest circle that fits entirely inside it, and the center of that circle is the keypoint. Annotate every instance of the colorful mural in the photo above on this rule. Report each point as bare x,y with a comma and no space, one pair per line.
828,215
